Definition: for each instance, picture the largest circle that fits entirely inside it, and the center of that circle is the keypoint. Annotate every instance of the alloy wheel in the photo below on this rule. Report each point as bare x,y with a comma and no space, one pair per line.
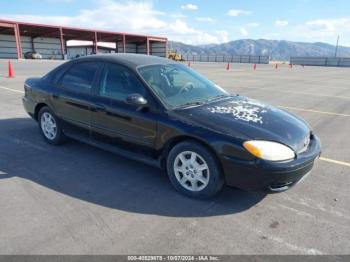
191,171
48,125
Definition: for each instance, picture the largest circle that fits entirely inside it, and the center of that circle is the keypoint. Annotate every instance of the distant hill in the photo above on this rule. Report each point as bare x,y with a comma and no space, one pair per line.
275,49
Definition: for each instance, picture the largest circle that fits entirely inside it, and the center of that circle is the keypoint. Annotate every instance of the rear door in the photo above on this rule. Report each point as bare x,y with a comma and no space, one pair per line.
72,101
113,120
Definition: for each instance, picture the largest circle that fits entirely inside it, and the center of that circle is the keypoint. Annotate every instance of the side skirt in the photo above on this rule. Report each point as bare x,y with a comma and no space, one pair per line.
118,151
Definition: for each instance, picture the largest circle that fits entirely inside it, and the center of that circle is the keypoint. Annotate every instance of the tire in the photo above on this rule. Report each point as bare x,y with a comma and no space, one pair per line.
186,168
50,127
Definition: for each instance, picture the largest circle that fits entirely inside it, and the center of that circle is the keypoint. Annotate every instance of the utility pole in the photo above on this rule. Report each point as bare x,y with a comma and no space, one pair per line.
336,47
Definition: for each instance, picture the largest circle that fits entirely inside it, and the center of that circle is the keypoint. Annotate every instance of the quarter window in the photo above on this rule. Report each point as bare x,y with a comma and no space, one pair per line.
80,76
117,83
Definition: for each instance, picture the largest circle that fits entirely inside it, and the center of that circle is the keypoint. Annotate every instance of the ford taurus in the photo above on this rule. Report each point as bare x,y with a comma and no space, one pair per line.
163,113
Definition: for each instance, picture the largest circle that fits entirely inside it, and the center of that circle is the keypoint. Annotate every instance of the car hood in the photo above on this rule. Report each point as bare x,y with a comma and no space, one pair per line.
246,119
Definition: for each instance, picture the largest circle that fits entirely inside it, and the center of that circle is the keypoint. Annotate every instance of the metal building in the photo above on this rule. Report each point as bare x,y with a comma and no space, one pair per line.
17,38
74,51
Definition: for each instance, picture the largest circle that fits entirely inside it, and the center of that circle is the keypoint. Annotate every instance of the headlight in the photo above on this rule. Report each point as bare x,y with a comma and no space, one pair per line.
268,150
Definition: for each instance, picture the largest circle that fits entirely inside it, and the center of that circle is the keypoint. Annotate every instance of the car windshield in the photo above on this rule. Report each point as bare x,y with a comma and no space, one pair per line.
178,85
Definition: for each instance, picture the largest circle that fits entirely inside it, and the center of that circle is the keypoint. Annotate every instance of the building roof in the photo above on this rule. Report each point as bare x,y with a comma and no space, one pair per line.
91,46
70,33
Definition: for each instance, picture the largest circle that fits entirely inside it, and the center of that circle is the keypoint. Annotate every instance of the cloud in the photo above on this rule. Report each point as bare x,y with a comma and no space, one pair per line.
243,31
181,31
178,15
189,7
252,24
223,36
237,12
181,27
318,30
59,1
205,19
281,23
327,27
129,16
133,17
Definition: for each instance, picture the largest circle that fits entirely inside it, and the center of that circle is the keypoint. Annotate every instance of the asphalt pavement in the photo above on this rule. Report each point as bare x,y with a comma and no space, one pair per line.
76,199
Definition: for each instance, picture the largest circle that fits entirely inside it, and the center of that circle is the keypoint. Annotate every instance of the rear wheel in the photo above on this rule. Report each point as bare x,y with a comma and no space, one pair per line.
194,171
50,127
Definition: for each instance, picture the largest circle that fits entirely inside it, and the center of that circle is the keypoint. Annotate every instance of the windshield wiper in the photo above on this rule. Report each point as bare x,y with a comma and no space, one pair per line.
215,98
196,103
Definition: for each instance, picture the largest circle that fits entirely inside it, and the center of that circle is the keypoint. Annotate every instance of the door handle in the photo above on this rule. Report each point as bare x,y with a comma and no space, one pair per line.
114,114
99,108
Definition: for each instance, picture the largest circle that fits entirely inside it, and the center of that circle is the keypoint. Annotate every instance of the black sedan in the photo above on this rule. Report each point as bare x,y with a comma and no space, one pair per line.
165,114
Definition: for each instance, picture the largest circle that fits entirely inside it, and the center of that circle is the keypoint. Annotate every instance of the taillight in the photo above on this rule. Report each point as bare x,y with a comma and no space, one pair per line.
27,89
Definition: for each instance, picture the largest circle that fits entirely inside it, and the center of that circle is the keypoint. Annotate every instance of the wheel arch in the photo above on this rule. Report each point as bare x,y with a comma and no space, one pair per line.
38,107
178,139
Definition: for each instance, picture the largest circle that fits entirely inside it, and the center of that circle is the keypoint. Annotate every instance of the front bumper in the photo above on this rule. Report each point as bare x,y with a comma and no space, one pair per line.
267,176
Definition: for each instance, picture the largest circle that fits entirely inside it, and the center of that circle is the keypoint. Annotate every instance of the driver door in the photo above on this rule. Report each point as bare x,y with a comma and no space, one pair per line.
113,120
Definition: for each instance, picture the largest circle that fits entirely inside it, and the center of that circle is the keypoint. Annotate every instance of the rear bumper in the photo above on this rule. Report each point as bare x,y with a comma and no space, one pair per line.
260,175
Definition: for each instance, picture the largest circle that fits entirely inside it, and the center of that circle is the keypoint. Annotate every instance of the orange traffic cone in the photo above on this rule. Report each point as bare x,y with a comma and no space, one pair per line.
254,67
228,66
11,71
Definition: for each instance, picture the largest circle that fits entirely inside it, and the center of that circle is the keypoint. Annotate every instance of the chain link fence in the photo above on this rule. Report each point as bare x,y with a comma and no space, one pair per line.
227,58
321,61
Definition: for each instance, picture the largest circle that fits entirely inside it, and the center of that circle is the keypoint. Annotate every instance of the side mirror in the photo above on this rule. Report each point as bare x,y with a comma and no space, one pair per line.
136,100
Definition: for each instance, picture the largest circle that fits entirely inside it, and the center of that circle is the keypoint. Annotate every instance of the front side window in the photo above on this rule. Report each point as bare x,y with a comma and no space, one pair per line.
80,77
177,85
117,83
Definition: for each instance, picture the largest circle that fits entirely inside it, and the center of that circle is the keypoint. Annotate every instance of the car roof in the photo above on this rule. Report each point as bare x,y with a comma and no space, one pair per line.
129,60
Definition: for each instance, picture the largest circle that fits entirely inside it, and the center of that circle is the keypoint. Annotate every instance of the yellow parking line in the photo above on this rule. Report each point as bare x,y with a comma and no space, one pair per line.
292,108
306,93
314,111
335,161
10,89
298,92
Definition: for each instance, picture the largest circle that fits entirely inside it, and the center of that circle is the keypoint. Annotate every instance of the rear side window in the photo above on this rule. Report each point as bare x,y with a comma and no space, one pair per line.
80,77
117,83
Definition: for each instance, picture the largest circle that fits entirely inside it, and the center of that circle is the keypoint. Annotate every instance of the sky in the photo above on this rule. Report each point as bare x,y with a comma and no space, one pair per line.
194,21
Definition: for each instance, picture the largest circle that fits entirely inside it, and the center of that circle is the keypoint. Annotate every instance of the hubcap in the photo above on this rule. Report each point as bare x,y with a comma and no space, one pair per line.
191,171
48,126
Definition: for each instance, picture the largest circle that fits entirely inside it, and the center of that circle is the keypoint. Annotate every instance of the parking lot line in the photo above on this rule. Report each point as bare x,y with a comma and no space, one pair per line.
10,89
335,161
314,111
303,93
292,108
307,93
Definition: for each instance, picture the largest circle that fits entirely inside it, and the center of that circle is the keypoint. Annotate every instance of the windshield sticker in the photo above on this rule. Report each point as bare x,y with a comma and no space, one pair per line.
245,110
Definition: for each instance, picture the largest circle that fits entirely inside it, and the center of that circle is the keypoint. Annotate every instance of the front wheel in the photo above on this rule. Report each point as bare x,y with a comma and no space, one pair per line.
50,127
194,171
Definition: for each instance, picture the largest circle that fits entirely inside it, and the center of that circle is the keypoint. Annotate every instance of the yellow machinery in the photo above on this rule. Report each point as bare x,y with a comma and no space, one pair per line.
172,54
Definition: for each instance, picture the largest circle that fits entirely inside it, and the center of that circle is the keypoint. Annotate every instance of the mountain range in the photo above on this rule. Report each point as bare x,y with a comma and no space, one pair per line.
275,49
